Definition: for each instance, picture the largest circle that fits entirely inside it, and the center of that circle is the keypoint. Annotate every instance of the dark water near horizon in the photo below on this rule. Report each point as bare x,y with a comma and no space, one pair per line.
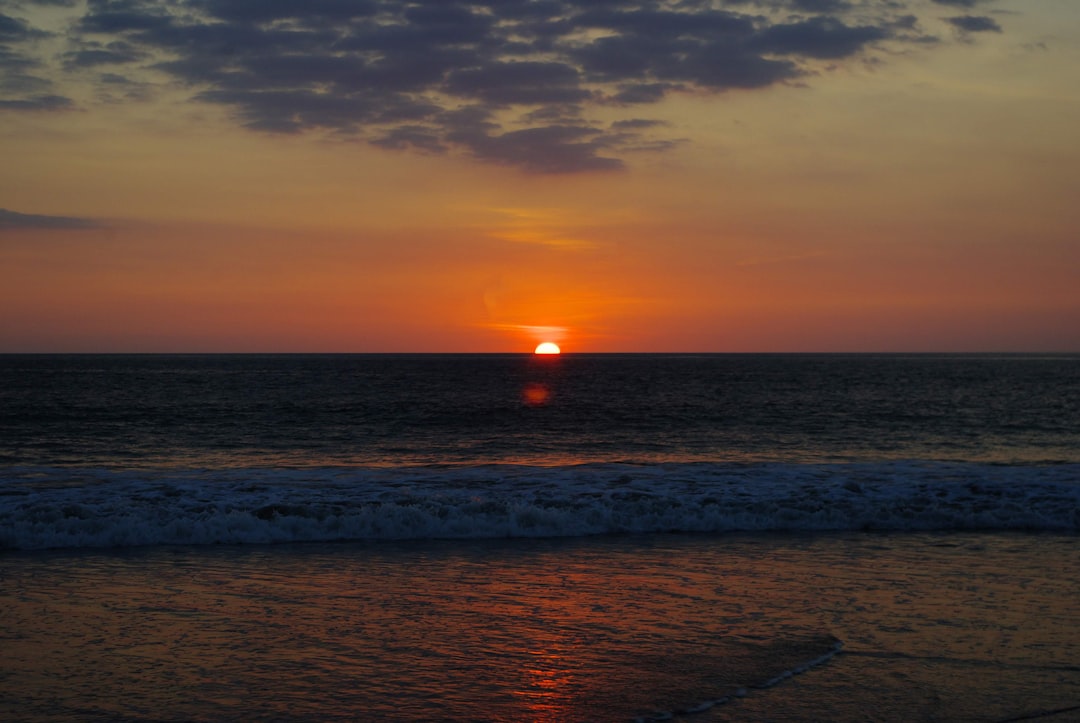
503,537
117,450
226,411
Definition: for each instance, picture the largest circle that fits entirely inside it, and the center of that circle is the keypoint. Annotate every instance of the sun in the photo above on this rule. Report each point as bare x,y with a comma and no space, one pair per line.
548,347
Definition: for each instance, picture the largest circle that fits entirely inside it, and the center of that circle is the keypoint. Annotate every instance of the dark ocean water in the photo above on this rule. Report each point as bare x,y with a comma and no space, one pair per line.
103,450
502,544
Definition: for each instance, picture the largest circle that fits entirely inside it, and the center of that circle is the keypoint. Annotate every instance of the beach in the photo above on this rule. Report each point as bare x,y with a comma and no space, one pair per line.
567,361
888,627
847,538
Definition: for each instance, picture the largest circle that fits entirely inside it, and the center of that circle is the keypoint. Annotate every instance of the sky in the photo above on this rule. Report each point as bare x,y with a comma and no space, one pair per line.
611,175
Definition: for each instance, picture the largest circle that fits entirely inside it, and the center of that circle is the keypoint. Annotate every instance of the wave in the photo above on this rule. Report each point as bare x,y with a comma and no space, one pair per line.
42,508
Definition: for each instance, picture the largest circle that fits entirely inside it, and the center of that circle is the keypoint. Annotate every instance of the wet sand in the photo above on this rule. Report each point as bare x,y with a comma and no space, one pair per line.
935,627
961,627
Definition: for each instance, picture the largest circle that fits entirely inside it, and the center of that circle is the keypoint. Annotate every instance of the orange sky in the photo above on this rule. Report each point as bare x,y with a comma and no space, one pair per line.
819,176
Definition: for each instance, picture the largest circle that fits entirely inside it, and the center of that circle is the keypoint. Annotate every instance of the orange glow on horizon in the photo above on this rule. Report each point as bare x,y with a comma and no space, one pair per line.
548,347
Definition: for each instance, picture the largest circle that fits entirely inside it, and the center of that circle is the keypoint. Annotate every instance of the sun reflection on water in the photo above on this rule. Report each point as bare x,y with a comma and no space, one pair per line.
536,394
547,690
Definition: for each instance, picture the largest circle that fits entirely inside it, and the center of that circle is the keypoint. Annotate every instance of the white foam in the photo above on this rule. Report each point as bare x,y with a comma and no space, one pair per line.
56,508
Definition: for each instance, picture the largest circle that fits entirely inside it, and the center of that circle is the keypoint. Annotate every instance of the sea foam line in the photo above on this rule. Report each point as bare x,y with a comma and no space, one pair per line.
71,508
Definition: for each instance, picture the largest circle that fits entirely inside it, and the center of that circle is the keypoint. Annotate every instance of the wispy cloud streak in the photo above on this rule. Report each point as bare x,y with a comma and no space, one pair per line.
14,220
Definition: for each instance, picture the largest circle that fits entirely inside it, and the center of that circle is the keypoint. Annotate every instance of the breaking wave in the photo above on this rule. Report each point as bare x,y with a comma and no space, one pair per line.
43,508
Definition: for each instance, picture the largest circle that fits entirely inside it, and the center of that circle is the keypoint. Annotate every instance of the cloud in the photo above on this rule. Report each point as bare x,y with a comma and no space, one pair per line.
974,24
637,123
36,103
13,220
22,88
962,3
518,83
93,54
510,82
13,29
546,149
420,137
820,6
819,37
630,93
47,3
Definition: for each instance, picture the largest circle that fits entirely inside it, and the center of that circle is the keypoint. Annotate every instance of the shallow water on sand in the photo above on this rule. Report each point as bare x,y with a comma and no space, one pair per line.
978,627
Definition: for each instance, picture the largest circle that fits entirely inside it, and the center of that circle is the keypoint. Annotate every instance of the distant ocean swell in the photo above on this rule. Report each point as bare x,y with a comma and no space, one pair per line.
42,508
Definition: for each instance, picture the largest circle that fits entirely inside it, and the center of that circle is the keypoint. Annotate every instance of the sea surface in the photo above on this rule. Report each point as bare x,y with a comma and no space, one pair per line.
515,537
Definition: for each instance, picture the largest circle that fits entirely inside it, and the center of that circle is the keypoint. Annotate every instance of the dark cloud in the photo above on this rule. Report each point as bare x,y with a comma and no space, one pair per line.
13,29
13,62
22,87
16,62
46,3
92,54
719,66
308,11
637,123
424,138
961,3
554,114
505,81
518,83
820,6
819,37
974,24
116,16
291,111
641,20
36,103
642,92
13,220
549,149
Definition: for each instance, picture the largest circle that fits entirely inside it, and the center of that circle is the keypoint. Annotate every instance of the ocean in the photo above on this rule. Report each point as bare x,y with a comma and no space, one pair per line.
515,537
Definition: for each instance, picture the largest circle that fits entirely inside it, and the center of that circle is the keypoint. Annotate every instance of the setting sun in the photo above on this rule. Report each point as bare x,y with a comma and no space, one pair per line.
548,347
